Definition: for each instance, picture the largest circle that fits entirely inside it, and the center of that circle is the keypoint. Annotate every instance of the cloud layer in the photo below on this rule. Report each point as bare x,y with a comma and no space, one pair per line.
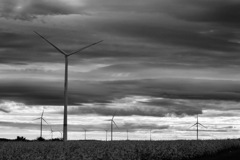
159,58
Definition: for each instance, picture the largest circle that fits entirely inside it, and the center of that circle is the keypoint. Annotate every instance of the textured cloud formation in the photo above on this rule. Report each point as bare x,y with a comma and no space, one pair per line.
30,9
51,92
157,48
3,110
216,11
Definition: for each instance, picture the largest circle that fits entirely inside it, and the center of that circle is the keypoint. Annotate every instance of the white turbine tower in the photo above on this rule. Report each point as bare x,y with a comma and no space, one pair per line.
112,122
42,119
66,55
196,124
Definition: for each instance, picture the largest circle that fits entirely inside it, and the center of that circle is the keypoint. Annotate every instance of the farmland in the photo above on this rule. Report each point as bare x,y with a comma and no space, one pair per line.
116,150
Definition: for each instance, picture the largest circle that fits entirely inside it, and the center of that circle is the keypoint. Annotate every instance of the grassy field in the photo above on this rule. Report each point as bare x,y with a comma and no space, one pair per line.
117,150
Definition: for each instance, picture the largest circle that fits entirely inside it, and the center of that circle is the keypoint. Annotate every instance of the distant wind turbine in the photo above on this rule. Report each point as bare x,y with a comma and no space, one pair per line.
85,135
150,134
196,124
112,122
42,119
127,134
66,55
52,131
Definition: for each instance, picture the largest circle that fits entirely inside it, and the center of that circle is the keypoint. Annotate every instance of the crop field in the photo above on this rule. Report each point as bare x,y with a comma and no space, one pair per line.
116,150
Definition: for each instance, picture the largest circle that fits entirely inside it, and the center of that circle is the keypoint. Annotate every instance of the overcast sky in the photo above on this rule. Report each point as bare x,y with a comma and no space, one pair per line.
161,63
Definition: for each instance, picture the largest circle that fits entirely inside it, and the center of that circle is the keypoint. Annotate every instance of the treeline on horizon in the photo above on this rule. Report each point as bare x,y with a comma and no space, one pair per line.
21,138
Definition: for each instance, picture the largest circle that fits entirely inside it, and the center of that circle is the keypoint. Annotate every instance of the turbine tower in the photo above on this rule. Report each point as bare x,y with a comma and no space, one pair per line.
85,134
150,134
42,119
52,133
112,122
127,134
66,55
196,124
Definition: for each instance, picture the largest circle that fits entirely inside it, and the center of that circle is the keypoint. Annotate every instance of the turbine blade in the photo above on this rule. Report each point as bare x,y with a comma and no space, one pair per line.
45,120
42,113
193,125
115,124
58,49
202,125
114,115
36,119
84,48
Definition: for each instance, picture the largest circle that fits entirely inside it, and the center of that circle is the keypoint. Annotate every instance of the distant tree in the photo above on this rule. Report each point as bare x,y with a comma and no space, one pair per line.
57,139
40,139
20,138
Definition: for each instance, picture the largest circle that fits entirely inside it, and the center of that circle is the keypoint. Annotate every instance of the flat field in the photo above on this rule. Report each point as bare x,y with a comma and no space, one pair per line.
116,150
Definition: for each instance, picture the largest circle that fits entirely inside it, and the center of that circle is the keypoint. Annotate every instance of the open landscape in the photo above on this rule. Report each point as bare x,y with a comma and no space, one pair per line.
119,79
119,150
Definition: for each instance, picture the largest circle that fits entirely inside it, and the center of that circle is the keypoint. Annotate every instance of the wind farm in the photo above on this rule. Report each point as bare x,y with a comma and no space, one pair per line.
100,79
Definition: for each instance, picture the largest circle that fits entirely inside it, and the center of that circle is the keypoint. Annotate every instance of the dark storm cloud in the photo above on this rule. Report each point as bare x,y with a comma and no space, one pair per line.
176,107
123,111
219,11
159,36
20,48
33,93
30,9
25,47
216,11
156,31
4,110
175,88
172,23
51,93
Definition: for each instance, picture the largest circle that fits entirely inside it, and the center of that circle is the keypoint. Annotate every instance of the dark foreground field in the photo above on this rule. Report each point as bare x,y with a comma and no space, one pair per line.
120,150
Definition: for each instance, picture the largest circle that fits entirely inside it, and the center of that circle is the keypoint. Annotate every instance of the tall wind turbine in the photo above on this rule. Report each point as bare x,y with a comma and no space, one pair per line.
42,119
66,55
196,124
127,134
112,122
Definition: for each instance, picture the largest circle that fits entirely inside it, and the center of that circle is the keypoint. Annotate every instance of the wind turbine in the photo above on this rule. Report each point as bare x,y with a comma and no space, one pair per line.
85,135
66,55
42,119
150,134
127,134
196,124
52,131
112,122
